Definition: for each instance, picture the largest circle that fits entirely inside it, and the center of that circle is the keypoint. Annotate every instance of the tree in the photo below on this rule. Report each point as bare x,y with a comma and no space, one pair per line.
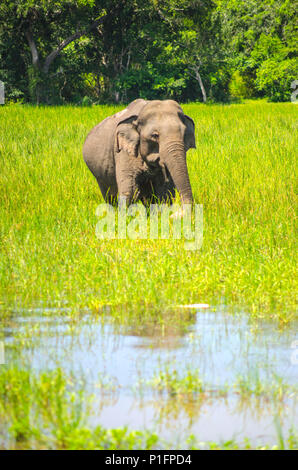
261,43
117,50
48,28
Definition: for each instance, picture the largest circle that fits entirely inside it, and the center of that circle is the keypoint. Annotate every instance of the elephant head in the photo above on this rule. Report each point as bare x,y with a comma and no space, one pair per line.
161,133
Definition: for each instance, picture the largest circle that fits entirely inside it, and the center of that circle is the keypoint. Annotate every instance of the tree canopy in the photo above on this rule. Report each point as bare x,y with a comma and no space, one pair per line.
84,51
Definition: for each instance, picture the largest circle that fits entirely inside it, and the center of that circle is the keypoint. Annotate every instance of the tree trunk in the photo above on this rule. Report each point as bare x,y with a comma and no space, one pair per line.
117,96
33,49
52,56
40,72
199,79
33,74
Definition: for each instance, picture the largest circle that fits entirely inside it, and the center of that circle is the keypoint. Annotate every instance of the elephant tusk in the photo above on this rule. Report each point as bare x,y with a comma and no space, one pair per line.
164,172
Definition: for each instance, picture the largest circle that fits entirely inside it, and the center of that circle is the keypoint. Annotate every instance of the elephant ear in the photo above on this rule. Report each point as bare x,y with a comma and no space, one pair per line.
190,141
127,137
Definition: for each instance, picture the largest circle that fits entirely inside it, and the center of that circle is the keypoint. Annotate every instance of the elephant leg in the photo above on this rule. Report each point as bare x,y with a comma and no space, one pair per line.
126,173
109,192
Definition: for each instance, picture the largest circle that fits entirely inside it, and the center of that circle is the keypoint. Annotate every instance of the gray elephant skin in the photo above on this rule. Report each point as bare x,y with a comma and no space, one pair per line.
140,153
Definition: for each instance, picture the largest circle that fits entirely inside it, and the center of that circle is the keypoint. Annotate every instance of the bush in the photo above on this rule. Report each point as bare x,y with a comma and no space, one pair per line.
238,87
275,77
86,101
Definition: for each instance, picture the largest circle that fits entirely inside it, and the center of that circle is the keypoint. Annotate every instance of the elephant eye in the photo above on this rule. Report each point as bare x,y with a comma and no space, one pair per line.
154,135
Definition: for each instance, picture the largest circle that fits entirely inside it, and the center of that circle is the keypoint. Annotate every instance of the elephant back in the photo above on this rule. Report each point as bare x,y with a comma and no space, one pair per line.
98,149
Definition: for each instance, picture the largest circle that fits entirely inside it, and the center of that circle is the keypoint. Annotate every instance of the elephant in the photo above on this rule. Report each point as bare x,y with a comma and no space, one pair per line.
139,153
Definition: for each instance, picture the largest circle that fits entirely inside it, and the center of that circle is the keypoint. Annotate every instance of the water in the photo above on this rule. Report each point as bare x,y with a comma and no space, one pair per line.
124,358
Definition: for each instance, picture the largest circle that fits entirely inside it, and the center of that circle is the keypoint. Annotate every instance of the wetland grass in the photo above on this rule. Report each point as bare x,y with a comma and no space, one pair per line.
52,264
243,172
50,411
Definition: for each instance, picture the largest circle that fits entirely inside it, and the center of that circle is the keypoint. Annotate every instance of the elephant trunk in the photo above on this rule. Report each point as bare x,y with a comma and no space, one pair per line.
174,157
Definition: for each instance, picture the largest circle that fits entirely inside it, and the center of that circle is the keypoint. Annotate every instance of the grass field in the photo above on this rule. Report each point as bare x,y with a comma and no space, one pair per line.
242,171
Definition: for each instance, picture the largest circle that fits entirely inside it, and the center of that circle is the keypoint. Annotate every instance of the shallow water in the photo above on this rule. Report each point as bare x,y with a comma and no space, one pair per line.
124,358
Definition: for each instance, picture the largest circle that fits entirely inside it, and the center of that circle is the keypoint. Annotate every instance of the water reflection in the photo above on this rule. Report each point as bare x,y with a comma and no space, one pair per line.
248,375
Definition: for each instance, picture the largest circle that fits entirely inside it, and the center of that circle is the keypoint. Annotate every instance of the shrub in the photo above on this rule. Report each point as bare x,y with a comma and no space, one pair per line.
274,78
238,87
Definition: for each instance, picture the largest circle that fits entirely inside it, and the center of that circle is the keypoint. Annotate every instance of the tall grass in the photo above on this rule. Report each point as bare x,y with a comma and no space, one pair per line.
243,172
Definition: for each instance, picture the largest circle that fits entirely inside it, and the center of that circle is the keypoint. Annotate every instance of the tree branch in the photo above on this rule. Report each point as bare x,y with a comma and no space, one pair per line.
33,49
52,56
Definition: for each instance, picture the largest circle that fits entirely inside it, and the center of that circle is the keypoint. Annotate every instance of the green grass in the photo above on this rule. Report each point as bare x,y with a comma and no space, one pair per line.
187,383
173,383
49,410
243,172
254,385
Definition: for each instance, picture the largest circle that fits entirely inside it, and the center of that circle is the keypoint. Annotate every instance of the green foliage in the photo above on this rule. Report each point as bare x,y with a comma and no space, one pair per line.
170,381
274,78
48,409
156,50
261,44
86,101
27,401
238,87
